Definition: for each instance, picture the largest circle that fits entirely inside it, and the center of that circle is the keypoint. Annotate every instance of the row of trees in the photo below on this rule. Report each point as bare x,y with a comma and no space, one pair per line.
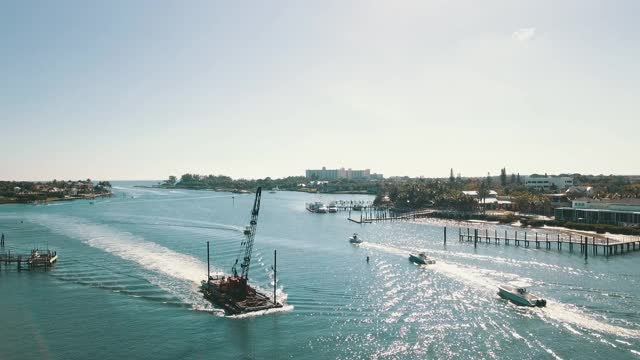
195,181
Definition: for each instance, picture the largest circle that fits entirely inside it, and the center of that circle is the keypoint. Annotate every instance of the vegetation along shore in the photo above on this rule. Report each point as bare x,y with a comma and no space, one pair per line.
24,192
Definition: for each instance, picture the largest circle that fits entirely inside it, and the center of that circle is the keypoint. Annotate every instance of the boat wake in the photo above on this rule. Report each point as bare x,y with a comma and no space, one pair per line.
284,308
176,273
488,280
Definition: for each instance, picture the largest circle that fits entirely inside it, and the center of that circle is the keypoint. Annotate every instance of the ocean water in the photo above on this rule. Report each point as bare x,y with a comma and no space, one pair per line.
125,286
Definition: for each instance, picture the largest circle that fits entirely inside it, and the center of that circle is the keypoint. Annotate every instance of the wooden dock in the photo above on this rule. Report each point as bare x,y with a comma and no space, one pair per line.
594,245
375,215
36,258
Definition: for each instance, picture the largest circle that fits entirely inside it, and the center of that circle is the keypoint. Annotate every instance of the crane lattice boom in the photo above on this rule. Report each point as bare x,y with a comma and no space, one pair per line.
250,233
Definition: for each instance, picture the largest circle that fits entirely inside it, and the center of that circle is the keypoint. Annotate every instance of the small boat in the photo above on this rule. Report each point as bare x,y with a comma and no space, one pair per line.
357,207
317,207
354,239
333,208
421,259
38,258
520,296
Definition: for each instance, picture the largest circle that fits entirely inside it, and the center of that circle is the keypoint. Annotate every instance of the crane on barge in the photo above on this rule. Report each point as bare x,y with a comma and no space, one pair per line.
233,293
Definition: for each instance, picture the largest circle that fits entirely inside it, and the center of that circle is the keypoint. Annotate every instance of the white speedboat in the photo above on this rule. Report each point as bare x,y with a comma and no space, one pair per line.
354,239
421,259
519,295
333,208
322,209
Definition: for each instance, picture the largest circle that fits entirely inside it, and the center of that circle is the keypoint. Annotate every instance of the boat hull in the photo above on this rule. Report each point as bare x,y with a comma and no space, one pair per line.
417,260
421,259
520,300
232,305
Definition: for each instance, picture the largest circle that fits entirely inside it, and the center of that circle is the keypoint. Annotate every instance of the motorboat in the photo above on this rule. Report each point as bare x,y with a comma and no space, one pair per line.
317,207
519,295
354,239
421,259
333,208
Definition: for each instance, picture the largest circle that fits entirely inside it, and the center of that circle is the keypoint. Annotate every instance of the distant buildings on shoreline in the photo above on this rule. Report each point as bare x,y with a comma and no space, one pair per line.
548,182
342,173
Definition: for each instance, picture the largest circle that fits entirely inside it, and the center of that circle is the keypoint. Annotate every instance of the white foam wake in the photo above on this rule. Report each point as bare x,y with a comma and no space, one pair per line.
149,255
184,272
488,281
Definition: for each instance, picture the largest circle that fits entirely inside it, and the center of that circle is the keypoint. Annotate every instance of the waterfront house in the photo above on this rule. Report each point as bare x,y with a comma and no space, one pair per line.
621,212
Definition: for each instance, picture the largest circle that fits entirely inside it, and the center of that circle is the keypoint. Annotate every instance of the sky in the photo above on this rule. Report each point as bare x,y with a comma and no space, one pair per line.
146,89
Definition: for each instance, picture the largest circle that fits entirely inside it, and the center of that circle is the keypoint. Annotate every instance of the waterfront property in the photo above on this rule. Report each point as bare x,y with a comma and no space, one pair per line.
492,201
620,212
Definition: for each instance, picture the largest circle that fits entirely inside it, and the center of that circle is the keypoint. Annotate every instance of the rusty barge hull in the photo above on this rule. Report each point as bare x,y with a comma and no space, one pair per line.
252,301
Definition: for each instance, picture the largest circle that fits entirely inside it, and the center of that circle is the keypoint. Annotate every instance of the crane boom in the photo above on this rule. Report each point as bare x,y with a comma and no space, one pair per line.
250,233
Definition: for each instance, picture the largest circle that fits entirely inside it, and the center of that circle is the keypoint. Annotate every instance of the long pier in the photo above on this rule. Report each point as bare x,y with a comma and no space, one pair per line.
594,245
375,215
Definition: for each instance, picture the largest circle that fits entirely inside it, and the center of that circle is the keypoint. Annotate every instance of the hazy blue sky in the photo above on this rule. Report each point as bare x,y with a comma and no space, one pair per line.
145,89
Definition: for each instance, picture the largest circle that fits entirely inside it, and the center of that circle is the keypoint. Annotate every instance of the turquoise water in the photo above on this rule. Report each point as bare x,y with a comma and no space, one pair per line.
125,286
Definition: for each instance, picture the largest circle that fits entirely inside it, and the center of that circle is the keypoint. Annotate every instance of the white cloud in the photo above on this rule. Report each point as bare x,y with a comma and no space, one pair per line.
524,34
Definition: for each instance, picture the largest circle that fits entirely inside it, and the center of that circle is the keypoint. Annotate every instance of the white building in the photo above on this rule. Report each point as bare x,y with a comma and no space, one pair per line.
342,173
547,182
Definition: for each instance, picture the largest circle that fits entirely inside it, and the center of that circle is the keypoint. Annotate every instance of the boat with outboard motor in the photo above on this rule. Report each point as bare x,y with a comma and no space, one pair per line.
421,259
519,295
354,239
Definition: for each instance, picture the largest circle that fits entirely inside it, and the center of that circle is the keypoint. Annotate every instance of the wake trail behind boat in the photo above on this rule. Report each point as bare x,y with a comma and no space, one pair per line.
485,280
149,255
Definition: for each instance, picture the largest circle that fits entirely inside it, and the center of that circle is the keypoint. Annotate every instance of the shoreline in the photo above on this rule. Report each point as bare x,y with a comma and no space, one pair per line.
309,191
517,225
13,201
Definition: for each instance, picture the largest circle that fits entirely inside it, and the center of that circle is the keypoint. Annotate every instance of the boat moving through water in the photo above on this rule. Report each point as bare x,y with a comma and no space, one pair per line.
354,239
519,295
233,293
421,259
